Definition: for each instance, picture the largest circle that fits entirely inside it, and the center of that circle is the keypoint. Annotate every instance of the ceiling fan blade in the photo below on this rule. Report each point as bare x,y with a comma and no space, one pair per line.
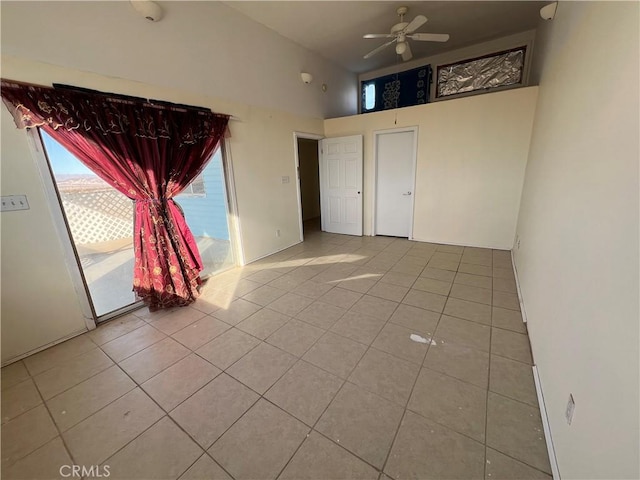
378,35
430,37
380,48
415,24
407,55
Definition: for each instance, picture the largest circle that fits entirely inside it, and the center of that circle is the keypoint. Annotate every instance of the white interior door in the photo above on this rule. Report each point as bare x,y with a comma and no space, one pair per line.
395,169
341,185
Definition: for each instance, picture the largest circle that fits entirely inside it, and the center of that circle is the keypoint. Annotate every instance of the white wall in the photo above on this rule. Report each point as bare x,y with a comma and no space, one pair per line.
203,47
472,154
473,51
263,151
578,260
39,304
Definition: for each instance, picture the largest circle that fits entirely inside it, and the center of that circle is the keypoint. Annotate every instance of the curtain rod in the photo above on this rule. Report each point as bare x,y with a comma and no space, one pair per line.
119,96
62,86
140,99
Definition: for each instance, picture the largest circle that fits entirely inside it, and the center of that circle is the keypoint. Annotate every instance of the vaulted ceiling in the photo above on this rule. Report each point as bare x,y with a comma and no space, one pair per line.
334,29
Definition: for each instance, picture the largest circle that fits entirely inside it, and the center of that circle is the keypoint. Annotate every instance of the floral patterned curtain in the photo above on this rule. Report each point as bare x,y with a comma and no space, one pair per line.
149,151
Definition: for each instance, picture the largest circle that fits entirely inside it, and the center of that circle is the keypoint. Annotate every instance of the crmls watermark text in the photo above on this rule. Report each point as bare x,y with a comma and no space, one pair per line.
82,471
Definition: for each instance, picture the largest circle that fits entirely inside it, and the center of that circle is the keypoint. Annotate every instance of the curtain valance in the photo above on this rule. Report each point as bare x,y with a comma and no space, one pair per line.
70,108
147,151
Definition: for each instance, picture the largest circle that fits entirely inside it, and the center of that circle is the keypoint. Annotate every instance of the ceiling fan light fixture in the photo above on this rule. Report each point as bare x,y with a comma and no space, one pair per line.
401,47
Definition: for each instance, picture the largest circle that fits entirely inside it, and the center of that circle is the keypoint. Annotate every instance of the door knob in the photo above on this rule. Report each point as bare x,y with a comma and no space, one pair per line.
405,194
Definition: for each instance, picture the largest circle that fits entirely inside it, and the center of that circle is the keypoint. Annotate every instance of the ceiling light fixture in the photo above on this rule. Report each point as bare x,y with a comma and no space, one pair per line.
401,48
306,77
148,9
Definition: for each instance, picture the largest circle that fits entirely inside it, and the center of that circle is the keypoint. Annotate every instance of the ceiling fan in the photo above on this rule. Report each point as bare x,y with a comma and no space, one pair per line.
402,32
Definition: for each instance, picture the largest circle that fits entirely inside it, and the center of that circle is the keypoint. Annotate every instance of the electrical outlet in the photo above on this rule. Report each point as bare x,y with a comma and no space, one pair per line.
571,406
277,232
14,202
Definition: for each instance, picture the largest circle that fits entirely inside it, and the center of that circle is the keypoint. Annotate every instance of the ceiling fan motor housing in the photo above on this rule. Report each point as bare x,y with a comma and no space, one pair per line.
398,27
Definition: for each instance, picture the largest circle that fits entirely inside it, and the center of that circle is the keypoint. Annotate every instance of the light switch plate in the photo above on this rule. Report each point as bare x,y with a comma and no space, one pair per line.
285,179
14,202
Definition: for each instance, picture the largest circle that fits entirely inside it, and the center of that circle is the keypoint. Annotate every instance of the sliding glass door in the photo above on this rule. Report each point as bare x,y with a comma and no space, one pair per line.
205,206
100,223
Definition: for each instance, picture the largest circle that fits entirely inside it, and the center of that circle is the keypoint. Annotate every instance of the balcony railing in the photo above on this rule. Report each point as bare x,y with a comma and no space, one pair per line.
97,215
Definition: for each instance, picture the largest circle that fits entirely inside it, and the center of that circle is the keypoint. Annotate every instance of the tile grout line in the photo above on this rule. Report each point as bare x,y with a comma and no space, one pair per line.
486,411
144,323
165,414
64,443
381,470
138,385
137,351
404,413
80,382
312,429
260,396
345,381
73,357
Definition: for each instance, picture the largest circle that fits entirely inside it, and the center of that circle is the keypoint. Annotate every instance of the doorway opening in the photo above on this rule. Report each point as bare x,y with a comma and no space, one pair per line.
308,167
99,221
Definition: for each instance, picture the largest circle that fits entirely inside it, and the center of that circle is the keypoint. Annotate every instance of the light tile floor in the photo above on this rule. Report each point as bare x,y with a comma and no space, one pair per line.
299,366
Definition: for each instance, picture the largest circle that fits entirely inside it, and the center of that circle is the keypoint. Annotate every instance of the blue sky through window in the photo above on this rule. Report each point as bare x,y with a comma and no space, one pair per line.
62,161
370,96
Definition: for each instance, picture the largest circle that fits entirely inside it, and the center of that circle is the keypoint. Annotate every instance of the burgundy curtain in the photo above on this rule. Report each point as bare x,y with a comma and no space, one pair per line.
149,152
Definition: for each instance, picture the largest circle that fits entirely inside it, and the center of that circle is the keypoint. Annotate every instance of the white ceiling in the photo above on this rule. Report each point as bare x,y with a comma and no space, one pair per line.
334,29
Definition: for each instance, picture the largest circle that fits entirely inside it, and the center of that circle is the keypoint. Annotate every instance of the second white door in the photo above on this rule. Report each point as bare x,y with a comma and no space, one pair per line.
395,170
341,185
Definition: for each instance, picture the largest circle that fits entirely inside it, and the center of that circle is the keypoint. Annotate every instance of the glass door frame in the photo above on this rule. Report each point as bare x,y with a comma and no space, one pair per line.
64,232
70,253
233,218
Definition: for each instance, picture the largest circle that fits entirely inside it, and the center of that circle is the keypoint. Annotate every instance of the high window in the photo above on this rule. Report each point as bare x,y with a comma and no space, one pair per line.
402,89
500,69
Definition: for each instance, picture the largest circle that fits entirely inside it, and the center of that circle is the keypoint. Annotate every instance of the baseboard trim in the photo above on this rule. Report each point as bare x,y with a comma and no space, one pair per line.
272,253
536,379
44,347
457,244
520,298
546,426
